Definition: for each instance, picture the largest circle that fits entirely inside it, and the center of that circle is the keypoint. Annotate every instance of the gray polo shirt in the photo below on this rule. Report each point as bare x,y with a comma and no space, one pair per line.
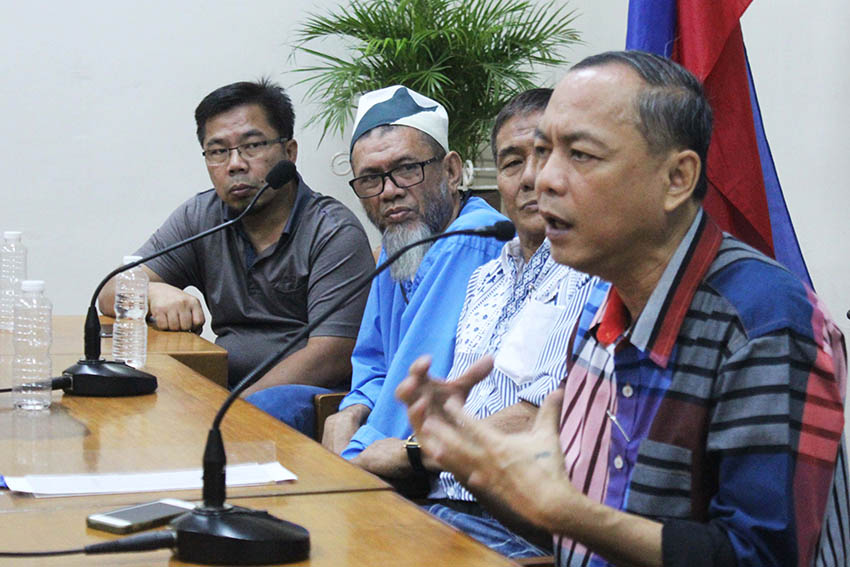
258,302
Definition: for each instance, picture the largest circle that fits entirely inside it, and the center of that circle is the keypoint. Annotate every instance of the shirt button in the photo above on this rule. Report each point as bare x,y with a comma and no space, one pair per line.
628,391
618,462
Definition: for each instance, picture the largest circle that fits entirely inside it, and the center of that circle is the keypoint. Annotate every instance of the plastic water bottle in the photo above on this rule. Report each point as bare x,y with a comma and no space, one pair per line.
13,270
31,369
7,354
130,333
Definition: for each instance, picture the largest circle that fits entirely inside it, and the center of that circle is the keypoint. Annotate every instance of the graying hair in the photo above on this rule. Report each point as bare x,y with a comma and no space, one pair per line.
526,102
672,109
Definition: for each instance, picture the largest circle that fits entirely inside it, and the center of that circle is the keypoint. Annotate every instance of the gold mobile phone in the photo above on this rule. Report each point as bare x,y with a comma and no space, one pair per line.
139,517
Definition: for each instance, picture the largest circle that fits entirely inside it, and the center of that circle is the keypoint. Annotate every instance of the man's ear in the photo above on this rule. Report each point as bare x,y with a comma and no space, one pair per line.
682,169
290,147
453,168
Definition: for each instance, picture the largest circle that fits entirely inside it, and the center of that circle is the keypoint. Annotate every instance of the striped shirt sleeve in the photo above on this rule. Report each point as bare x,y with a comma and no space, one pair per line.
774,430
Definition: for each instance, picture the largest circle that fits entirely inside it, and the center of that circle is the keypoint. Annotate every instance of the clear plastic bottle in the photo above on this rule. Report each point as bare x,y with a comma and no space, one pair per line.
7,353
31,369
13,270
130,333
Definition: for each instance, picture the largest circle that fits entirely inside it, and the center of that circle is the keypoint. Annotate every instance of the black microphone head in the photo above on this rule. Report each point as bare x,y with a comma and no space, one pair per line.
281,174
504,230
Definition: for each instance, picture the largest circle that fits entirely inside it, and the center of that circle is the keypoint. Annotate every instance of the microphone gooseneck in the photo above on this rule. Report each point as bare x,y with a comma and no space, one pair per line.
215,530
92,376
501,230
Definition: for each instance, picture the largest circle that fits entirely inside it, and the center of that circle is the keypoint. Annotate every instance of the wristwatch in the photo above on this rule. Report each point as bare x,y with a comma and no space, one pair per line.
414,454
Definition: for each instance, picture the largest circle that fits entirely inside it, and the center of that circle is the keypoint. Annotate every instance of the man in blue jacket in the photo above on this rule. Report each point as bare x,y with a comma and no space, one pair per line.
407,179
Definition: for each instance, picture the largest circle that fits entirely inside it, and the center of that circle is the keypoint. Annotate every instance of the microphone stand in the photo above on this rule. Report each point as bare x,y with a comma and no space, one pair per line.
93,376
216,532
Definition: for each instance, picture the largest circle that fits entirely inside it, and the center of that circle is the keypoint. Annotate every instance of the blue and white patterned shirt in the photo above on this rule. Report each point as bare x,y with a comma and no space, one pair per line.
501,298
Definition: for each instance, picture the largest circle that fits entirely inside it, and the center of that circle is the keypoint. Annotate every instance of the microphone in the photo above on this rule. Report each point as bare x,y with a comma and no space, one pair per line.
93,376
216,532
501,230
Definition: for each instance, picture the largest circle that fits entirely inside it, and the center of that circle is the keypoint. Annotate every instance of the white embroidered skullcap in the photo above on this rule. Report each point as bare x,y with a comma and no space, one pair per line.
402,106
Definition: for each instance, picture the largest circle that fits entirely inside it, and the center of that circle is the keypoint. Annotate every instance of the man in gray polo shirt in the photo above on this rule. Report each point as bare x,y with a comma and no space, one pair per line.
281,266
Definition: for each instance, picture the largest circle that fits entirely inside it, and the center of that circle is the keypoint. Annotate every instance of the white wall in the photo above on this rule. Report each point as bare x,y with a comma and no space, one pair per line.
98,100
98,95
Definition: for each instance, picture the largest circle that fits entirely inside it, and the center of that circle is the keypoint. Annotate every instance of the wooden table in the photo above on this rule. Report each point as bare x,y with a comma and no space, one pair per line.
346,529
163,431
353,517
194,351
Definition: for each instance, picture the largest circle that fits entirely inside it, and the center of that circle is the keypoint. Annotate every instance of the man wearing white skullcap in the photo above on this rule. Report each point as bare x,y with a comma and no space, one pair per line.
407,179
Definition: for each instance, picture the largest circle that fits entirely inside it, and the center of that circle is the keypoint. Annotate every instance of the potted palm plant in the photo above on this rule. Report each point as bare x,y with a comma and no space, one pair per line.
471,55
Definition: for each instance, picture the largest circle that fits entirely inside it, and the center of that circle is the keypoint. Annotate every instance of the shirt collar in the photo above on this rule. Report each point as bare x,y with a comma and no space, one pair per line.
249,254
658,325
512,254
302,194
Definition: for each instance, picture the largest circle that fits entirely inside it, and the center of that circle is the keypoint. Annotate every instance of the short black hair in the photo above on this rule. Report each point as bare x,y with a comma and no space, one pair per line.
673,110
526,102
270,96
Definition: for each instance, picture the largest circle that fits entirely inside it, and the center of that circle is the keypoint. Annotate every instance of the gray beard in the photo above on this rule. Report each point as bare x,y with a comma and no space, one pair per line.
397,237
438,212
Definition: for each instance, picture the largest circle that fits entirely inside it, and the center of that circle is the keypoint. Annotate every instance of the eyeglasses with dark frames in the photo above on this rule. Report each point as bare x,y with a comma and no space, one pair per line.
404,176
248,150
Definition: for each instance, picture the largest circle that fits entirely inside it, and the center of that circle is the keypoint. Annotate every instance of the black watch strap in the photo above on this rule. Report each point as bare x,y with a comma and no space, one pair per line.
414,454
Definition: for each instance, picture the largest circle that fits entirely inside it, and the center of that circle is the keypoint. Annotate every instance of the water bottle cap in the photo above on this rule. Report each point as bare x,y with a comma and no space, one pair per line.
32,285
12,234
129,259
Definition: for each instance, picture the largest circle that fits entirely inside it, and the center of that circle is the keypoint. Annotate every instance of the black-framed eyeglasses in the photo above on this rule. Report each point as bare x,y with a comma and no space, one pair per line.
248,150
404,176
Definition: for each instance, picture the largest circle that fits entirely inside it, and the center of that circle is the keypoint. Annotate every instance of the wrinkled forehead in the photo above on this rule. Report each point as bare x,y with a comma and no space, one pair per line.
242,121
516,128
389,140
602,96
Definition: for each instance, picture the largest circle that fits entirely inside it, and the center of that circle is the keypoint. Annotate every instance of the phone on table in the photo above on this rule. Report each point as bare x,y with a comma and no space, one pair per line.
139,517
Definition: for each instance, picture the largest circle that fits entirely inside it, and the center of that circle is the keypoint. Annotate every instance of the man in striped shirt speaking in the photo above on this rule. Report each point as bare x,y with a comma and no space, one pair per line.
701,419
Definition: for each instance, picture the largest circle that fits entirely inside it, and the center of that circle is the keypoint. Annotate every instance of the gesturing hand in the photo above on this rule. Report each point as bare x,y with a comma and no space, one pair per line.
521,472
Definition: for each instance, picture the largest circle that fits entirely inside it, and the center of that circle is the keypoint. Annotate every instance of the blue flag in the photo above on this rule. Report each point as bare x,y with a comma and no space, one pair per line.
752,205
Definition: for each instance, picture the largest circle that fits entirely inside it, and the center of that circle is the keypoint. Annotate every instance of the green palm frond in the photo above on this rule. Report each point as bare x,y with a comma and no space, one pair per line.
471,55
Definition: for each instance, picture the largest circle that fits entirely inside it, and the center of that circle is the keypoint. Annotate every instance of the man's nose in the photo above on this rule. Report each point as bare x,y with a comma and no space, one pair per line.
235,161
391,190
550,178
528,175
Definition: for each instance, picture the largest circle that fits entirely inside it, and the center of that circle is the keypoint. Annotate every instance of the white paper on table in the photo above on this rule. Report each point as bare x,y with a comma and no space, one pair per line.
243,474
